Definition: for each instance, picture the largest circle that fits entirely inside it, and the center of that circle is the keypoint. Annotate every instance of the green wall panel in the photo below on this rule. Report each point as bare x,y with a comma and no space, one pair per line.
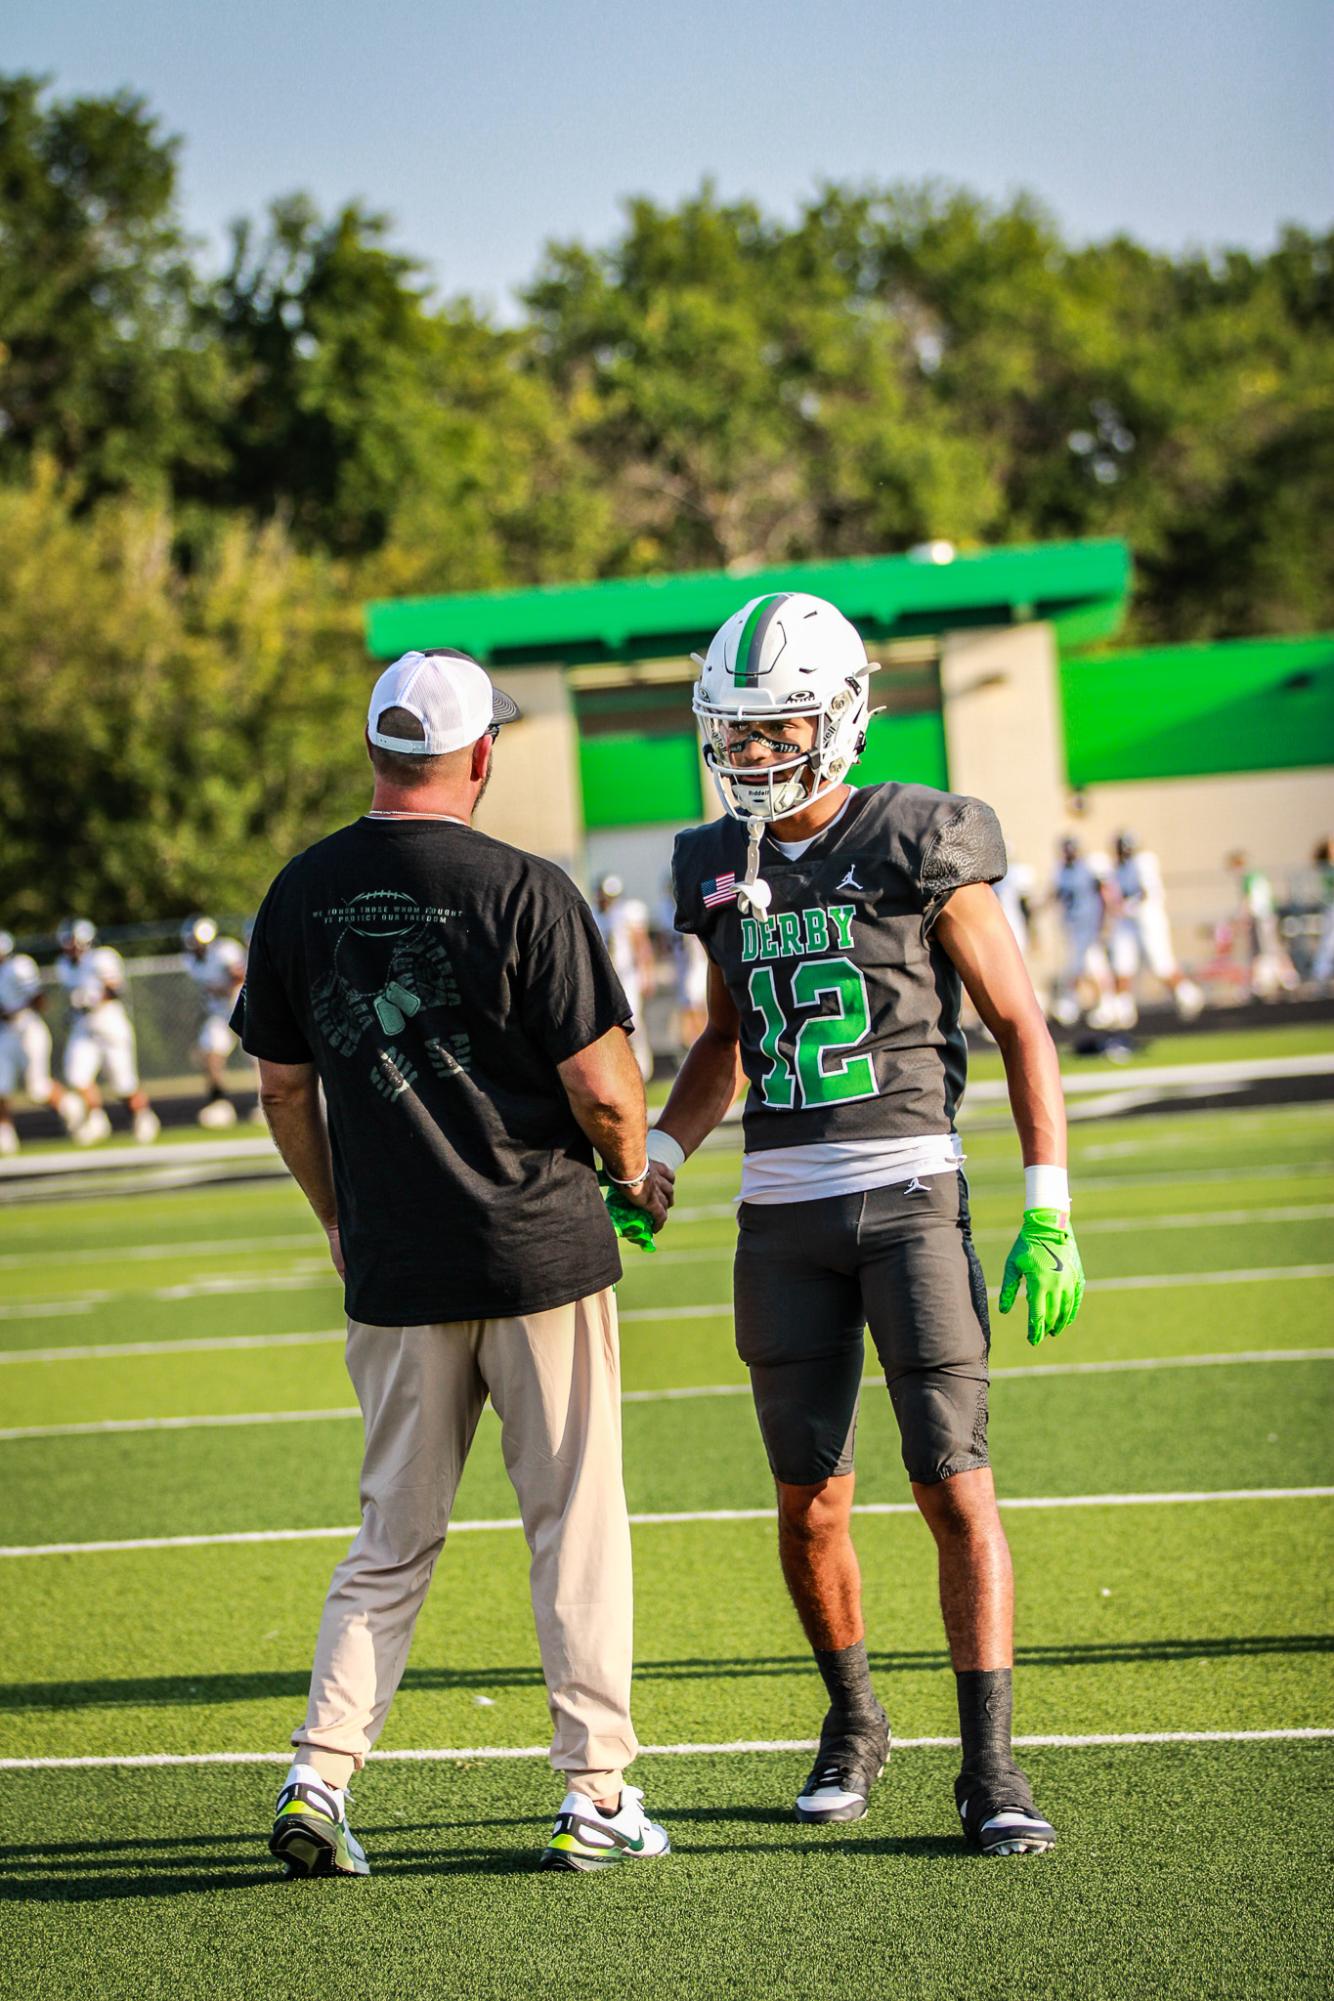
633,778
1191,711
909,748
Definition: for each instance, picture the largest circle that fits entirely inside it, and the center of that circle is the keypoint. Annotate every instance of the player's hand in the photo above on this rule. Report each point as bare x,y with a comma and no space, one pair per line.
336,1250
1046,1256
649,1196
663,1179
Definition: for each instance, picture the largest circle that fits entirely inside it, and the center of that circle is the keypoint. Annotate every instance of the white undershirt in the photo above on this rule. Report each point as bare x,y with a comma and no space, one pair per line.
846,1167
794,850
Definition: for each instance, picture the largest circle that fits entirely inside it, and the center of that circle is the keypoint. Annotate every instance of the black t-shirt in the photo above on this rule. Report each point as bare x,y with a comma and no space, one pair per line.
849,1008
436,978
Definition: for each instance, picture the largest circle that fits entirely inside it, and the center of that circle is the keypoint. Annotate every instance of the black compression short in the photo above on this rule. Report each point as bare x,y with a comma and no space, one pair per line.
810,1276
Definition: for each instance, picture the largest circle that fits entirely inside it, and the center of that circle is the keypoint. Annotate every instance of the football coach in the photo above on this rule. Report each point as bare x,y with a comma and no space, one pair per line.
452,997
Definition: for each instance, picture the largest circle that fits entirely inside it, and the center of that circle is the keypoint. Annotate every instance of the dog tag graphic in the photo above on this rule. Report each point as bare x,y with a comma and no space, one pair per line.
393,1004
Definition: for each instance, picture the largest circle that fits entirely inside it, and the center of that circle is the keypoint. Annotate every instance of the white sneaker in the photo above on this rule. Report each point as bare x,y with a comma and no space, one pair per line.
9,1139
1189,1000
96,1126
584,1838
72,1110
310,1831
217,1112
147,1126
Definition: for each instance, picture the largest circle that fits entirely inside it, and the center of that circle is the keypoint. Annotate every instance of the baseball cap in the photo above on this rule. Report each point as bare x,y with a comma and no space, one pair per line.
450,695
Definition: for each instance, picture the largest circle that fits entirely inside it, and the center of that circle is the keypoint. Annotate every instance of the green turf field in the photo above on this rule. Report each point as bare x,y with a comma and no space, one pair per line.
170,1368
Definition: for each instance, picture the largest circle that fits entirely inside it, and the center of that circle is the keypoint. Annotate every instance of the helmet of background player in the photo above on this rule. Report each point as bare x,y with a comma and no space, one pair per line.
1126,844
198,933
608,890
75,934
1069,848
787,654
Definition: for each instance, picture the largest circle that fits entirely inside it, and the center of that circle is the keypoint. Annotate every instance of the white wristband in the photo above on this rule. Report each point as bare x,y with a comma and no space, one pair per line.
665,1150
1047,1188
627,1180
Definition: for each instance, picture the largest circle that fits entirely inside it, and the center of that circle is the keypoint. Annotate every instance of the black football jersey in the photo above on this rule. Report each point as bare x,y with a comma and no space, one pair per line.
849,1009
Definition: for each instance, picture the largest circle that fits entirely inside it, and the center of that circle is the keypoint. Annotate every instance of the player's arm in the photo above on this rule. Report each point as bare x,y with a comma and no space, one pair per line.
706,1084
972,930
290,1095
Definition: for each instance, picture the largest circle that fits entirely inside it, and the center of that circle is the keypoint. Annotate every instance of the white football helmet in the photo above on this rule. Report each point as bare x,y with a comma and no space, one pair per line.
786,654
75,934
198,933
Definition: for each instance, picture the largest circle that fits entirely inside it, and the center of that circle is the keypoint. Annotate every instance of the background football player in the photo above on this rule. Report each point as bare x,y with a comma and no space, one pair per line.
217,967
1077,892
1142,935
25,1045
841,927
623,922
100,1037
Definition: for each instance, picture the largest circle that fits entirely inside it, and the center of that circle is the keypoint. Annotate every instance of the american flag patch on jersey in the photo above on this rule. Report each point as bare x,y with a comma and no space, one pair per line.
721,890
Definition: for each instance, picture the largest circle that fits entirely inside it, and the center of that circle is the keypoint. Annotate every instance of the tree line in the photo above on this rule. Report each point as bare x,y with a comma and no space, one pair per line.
203,475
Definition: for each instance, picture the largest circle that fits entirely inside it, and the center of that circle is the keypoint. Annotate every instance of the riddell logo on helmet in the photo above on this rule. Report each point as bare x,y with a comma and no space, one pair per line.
801,694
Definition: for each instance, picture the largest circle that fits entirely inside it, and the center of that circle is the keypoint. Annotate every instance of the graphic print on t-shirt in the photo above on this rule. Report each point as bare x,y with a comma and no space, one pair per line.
369,987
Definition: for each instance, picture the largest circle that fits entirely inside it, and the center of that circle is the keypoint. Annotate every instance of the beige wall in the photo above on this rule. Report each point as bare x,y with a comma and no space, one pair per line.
533,798
1192,824
1003,738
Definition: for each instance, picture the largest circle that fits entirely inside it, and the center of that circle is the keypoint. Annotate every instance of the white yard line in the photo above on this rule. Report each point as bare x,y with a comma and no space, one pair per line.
145,1253
201,1344
738,1747
345,1531
96,1427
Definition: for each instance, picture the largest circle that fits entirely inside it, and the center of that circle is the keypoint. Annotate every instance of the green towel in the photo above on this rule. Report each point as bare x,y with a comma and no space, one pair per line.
631,1223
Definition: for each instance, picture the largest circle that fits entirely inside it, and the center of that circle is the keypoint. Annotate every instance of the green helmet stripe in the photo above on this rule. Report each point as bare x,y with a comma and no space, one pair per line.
746,671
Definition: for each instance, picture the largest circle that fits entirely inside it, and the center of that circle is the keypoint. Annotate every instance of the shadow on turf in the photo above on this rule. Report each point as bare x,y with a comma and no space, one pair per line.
193,1865
171,1691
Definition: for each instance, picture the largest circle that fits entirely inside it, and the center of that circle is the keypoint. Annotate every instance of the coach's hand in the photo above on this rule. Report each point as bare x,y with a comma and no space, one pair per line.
1046,1256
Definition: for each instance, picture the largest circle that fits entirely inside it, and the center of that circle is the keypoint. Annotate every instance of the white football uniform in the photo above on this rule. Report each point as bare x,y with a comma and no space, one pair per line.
1076,887
622,927
100,1034
1141,933
214,978
25,1039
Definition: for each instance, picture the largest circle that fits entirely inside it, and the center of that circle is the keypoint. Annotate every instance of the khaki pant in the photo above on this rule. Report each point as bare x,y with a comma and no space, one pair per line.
554,1379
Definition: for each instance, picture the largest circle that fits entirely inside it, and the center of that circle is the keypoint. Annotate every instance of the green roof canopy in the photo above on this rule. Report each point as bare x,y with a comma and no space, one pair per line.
1081,587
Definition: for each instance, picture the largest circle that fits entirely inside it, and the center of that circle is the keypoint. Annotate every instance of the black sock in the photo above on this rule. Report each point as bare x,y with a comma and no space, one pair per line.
847,1677
986,1714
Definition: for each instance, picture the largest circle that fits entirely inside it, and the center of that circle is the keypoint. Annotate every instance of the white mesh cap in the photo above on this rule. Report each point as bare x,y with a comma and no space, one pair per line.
449,694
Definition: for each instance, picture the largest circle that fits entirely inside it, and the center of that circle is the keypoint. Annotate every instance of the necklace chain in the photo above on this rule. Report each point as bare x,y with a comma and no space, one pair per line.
390,813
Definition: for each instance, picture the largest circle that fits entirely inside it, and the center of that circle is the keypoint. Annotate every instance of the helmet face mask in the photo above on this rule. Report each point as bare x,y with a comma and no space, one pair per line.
782,656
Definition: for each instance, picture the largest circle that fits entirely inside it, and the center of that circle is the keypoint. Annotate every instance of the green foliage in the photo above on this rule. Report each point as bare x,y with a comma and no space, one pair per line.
201,480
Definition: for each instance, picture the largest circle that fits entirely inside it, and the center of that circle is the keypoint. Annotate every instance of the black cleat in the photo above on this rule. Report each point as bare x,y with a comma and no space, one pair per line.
998,1813
853,1753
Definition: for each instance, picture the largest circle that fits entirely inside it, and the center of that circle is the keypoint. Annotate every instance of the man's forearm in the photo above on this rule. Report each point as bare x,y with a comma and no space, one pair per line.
302,1138
1033,1078
705,1086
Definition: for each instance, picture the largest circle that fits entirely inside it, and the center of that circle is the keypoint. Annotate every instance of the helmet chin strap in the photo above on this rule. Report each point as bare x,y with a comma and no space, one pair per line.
754,896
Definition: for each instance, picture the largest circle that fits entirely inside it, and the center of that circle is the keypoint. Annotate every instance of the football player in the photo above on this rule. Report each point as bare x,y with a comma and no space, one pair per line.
100,1036
217,967
623,922
1077,891
842,927
1142,935
25,1045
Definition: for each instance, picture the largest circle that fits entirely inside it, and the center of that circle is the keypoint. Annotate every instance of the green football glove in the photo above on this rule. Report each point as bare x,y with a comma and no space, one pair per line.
627,1221
1046,1255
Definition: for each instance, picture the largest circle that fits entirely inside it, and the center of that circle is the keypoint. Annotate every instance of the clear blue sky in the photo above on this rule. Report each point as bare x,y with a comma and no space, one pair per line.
487,128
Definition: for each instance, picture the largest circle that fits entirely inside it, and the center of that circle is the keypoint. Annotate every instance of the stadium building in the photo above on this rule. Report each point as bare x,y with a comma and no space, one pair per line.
997,679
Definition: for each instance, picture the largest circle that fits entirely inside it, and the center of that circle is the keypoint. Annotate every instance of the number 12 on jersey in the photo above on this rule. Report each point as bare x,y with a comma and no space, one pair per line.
826,1072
